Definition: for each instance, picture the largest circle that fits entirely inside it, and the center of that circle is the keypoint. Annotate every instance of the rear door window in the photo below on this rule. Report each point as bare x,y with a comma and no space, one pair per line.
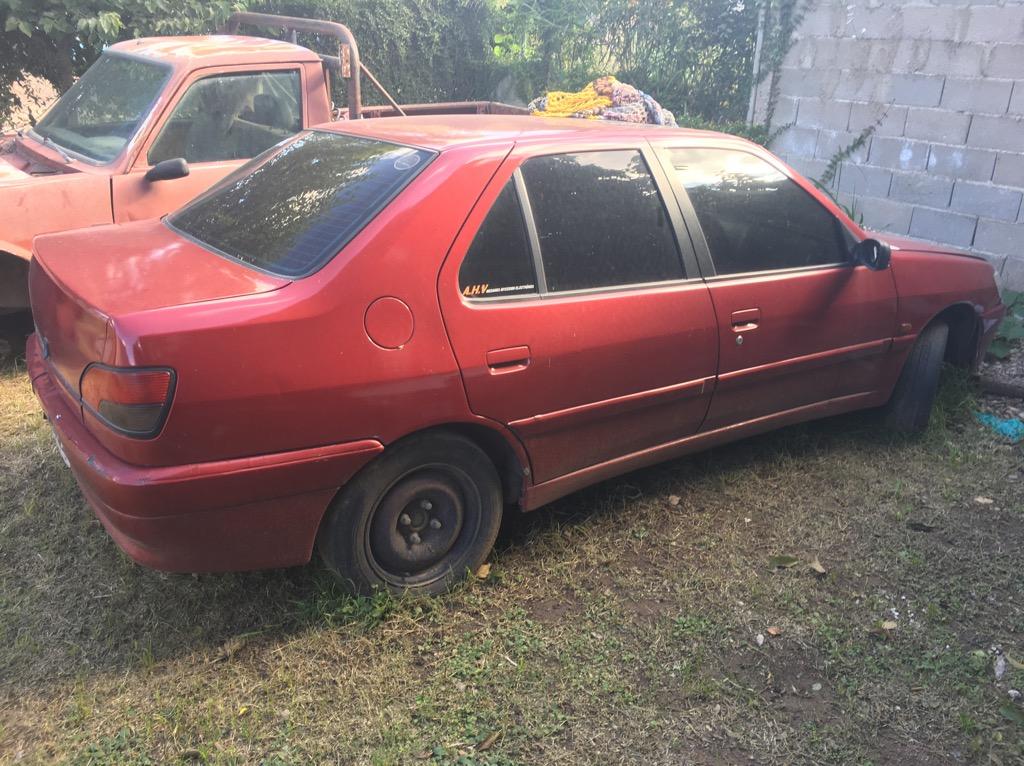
291,210
499,263
754,217
600,221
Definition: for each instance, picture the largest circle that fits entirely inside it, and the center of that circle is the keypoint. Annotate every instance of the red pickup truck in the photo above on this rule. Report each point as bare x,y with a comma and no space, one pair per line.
156,121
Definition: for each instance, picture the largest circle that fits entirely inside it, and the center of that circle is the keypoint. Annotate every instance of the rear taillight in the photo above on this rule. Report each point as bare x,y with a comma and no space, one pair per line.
132,400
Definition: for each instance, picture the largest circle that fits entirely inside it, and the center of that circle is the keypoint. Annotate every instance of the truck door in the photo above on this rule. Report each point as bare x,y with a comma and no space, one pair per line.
576,319
217,123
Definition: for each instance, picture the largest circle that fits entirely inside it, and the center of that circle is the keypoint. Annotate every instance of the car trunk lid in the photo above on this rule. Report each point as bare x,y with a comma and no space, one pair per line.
83,281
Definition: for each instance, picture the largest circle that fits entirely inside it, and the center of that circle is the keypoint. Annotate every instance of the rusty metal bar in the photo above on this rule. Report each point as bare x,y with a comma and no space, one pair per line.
293,24
369,75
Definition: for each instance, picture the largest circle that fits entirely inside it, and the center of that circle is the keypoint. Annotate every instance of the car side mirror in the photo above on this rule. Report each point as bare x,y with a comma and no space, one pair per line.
873,254
168,170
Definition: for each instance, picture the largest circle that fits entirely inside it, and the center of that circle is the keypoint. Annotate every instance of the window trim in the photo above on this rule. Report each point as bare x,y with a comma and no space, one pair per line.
704,257
662,183
143,162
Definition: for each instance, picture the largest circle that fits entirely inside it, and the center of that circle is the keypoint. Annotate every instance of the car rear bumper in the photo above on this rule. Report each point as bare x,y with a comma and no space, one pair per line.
245,513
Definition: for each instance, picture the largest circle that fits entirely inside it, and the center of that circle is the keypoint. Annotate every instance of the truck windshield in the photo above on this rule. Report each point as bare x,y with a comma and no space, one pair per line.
292,209
101,112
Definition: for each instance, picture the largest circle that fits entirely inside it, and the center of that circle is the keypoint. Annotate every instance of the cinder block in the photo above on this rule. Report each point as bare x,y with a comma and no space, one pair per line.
943,226
864,180
921,189
1005,61
986,200
822,21
785,111
801,54
916,89
1009,170
874,55
1017,100
957,59
999,237
796,142
992,24
938,125
819,113
884,22
812,169
1006,133
931,23
809,83
900,154
1012,273
913,55
977,95
885,214
832,142
862,86
961,162
890,119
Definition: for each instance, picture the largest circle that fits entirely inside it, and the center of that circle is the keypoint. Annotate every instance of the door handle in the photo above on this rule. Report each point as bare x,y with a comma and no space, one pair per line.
745,320
501,360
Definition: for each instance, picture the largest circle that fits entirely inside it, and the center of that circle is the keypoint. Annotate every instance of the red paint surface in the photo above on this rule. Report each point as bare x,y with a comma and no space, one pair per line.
281,394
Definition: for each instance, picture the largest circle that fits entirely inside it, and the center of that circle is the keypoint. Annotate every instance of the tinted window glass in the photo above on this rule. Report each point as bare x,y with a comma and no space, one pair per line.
600,221
499,262
292,209
102,111
755,218
232,117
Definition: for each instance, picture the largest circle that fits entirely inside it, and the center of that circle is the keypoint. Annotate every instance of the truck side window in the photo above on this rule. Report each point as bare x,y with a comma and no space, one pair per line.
498,263
231,117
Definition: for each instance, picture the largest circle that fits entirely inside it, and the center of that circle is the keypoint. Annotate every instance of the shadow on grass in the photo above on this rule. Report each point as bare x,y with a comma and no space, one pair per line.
72,604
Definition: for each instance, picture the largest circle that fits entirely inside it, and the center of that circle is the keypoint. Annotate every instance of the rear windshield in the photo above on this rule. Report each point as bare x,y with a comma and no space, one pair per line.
292,209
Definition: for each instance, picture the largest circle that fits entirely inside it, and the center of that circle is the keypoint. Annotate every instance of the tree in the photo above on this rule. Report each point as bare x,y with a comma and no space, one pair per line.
58,39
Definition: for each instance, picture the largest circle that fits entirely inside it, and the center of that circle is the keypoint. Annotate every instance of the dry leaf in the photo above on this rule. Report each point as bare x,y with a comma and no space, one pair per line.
984,500
1014,663
230,648
488,743
673,499
889,625
816,566
773,631
782,562
483,571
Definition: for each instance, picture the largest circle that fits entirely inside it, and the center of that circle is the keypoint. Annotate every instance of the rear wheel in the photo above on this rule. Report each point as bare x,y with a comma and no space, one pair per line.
910,407
416,519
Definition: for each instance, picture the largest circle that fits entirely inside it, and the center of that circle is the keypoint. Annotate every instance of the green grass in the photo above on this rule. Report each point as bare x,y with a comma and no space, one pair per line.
616,626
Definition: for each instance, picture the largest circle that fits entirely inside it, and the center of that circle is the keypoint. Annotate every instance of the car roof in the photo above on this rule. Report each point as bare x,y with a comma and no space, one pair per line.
214,50
440,132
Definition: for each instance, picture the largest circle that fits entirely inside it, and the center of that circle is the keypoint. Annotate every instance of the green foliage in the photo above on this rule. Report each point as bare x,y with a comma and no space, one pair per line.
1011,331
420,50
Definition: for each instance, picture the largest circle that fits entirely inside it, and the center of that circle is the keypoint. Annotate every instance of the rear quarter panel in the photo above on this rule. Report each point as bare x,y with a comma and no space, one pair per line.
294,368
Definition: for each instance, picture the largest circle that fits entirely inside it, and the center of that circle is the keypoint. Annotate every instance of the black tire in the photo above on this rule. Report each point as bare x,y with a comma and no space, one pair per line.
910,406
416,519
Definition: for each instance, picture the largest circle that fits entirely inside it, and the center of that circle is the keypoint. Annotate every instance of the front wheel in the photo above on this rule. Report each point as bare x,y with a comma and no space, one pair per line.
910,406
416,519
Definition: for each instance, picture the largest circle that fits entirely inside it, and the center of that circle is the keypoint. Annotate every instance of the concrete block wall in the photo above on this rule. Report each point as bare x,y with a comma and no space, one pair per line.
942,82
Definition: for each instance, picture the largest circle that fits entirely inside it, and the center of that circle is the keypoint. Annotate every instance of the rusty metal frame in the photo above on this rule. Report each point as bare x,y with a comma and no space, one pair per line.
346,63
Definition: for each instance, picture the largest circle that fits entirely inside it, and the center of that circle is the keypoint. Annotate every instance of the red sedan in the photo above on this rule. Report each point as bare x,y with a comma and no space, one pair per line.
378,336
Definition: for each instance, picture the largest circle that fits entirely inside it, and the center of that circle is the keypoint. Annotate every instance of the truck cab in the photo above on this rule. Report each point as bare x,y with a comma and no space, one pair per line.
95,157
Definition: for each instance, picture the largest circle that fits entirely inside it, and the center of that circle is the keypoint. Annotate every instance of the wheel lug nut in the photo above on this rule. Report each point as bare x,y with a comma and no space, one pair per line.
435,524
414,538
404,520
426,505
